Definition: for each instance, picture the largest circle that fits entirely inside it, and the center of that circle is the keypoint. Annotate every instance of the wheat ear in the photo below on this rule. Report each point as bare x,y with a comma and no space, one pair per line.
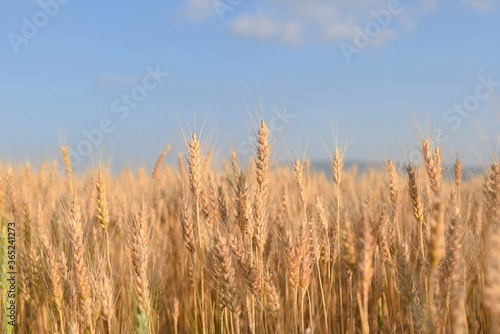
299,180
395,203
431,166
107,300
273,300
241,203
159,161
235,167
416,204
67,167
139,253
187,226
102,211
493,188
227,276
11,194
262,163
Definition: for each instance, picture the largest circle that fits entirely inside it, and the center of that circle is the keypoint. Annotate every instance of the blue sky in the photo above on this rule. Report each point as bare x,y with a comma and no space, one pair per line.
370,73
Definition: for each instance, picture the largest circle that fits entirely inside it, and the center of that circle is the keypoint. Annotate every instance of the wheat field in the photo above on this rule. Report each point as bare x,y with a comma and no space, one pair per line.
250,248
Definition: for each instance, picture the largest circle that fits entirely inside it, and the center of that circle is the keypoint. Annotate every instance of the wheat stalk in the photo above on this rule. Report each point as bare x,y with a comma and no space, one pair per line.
82,279
196,189
56,281
337,166
366,270
436,252
159,161
492,278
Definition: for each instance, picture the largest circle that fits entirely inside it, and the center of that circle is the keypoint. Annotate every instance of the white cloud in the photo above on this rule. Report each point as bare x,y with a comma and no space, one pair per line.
262,27
319,21
337,30
480,5
198,10
292,34
384,36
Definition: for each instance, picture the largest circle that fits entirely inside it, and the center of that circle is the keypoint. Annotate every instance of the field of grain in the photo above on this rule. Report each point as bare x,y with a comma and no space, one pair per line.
256,248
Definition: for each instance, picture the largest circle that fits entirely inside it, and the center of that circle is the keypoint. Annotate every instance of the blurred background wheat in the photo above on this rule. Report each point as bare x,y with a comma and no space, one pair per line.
255,247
